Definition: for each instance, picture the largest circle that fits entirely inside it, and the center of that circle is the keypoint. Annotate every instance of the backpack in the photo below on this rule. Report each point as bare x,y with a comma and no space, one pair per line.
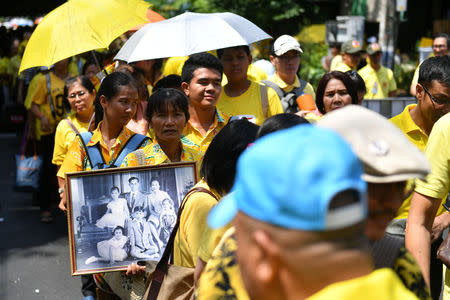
95,156
288,100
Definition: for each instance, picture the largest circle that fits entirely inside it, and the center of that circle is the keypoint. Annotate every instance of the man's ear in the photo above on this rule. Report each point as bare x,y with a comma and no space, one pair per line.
272,59
419,92
250,59
185,88
267,258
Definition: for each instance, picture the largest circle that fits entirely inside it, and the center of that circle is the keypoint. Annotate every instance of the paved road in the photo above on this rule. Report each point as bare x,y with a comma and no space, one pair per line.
34,257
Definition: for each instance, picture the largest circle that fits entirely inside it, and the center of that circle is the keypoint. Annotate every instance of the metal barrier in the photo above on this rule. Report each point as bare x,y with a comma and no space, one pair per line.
389,107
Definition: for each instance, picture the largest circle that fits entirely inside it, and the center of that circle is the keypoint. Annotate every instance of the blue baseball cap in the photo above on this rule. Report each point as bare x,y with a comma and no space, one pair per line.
288,179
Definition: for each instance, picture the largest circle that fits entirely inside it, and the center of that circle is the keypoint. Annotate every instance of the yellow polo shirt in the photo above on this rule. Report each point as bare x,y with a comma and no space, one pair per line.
380,284
64,136
289,87
203,141
437,184
378,83
250,103
419,138
154,155
192,225
76,159
38,94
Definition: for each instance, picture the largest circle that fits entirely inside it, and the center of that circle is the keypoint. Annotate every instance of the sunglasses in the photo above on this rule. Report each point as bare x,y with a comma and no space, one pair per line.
434,99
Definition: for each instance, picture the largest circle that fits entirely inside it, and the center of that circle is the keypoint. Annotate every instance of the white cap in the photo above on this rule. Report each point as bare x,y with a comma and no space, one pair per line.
387,155
284,44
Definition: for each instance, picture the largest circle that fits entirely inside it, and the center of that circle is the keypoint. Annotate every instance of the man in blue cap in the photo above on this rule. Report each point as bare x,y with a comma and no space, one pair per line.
300,220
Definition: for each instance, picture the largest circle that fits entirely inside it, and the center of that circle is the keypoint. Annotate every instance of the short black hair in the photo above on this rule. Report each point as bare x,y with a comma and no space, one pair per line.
243,47
360,85
118,227
114,188
435,68
349,85
445,36
138,208
278,122
170,81
200,60
219,163
133,178
159,101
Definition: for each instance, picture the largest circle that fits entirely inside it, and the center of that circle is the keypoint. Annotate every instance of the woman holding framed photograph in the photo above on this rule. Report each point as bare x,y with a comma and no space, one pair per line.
115,105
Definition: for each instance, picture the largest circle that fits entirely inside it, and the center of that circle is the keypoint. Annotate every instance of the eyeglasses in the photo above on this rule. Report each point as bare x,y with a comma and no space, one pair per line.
434,99
439,46
80,94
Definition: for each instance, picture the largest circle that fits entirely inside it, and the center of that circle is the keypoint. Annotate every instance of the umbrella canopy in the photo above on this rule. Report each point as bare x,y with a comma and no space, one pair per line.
78,26
190,33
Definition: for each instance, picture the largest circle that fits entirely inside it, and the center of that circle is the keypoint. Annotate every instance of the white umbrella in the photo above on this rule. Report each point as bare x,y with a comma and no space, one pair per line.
190,33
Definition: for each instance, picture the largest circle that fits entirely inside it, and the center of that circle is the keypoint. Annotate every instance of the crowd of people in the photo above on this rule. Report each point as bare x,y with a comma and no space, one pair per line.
302,192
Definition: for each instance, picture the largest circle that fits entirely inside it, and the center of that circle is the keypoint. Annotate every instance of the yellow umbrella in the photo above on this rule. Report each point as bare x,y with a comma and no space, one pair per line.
78,26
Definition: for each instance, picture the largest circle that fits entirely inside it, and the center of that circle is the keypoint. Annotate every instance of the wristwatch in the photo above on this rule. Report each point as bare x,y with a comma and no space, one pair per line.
60,190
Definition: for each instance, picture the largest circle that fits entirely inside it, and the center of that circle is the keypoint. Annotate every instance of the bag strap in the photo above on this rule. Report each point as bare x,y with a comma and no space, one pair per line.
49,94
163,264
70,123
386,250
96,158
264,99
302,86
273,85
93,153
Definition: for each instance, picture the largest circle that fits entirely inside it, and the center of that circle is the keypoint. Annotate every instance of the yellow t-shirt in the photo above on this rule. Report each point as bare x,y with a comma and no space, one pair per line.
38,94
289,87
340,66
221,277
335,61
437,184
378,83
154,155
380,284
415,79
13,67
250,103
64,136
419,138
194,135
76,159
174,65
192,225
255,73
4,62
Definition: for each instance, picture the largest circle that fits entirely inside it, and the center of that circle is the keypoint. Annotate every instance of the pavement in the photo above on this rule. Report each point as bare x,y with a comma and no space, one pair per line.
34,257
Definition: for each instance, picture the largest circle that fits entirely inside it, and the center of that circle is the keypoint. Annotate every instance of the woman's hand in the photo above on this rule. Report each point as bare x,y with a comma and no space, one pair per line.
134,269
45,124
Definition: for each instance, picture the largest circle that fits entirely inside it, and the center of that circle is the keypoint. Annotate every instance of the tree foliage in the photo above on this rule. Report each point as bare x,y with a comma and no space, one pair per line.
272,16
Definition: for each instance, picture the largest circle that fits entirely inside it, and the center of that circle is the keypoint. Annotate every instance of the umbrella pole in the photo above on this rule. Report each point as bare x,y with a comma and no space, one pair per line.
97,62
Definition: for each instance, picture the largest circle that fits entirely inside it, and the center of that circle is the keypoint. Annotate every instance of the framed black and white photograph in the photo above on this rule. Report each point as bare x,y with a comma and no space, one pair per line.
121,215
